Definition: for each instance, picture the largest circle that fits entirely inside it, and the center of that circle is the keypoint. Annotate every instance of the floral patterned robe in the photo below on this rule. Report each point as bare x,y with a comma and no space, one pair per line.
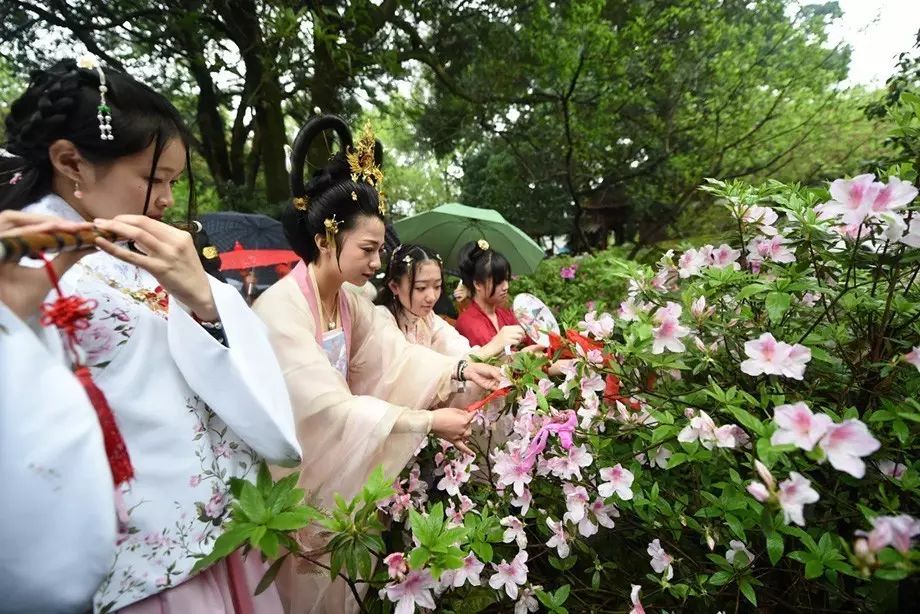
192,411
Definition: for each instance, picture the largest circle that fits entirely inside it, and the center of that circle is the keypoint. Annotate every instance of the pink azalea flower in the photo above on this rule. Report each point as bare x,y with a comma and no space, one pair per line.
764,217
456,515
597,513
794,493
472,568
544,386
397,566
528,402
523,501
913,357
774,248
576,500
594,383
698,309
512,470
703,429
691,263
527,602
845,444
629,311
896,531
514,531
569,466
852,198
758,491
661,560
724,256
892,470
768,356
601,327
912,238
568,272
810,299
659,458
735,548
560,539
634,597
509,576
414,591
796,424
667,335
616,480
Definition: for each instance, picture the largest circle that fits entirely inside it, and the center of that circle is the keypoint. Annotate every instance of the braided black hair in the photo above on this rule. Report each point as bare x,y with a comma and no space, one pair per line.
61,103
331,191
399,268
477,264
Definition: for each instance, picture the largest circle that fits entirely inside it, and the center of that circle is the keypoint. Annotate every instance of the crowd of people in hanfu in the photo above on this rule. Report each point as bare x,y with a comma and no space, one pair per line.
135,383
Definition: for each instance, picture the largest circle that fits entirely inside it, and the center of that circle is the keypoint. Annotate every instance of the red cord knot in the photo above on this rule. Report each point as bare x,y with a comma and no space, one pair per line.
68,313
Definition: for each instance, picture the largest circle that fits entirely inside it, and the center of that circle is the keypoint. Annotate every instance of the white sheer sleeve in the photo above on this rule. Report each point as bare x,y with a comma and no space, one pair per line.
58,529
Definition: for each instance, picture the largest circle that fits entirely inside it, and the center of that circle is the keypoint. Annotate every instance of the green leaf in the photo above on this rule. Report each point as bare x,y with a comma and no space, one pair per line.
269,578
252,503
269,544
774,546
291,521
257,534
419,557
562,594
777,304
720,578
483,550
264,479
735,525
224,546
747,590
813,569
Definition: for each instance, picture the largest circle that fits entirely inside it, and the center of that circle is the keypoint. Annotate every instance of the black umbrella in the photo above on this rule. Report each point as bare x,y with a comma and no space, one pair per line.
251,231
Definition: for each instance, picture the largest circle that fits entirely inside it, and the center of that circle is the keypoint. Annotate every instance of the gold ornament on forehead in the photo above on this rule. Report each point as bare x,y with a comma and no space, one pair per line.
363,165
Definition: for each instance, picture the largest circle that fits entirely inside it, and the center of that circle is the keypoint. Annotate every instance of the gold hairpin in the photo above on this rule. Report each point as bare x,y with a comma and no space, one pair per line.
483,244
354,195
363,165
332,229
301,203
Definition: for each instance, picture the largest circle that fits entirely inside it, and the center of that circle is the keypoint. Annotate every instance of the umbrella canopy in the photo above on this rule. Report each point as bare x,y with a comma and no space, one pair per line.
449,227
240,258
248,241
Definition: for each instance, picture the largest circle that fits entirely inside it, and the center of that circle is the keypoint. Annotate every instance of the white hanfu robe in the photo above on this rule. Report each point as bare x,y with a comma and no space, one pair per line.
58,518
349,420
193,413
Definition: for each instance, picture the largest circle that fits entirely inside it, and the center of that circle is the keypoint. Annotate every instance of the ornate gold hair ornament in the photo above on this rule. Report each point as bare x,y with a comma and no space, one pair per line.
483,244
363,165
332,229
301,203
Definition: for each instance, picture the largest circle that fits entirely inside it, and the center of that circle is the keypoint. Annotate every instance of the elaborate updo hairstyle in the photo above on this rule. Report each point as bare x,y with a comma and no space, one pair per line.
62,102
335,192
405,262
479,262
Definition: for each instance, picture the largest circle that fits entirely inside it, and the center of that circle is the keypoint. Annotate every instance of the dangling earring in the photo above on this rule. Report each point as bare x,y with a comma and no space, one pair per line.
77,193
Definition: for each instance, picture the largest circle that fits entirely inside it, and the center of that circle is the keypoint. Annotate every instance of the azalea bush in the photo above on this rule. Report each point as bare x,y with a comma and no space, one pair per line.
739,433
741,429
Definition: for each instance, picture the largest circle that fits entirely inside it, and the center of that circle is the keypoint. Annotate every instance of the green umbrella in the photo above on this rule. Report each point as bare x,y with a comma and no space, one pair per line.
449,227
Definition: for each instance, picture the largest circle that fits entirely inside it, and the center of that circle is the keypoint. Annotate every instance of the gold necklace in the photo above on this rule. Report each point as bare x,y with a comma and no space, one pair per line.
330,324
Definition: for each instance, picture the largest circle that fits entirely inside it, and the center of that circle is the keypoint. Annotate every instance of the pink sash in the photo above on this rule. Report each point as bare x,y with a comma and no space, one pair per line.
303,275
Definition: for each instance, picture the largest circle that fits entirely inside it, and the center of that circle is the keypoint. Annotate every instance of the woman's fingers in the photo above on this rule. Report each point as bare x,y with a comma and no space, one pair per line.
146,241
122,253
461,445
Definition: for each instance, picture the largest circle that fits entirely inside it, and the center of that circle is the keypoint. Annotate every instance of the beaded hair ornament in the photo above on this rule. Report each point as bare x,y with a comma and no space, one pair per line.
103,112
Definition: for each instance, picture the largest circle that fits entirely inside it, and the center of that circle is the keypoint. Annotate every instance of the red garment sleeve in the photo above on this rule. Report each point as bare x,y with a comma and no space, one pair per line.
473,325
